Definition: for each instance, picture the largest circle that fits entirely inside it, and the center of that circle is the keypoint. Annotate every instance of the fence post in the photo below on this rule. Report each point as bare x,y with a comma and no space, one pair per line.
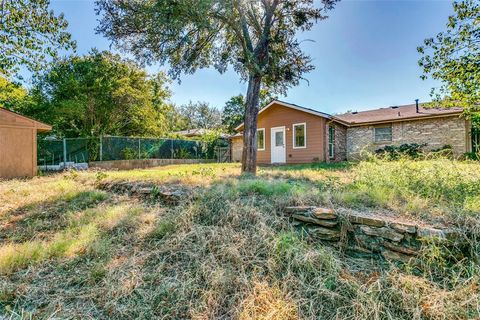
101,147
171,149
64,152
139,152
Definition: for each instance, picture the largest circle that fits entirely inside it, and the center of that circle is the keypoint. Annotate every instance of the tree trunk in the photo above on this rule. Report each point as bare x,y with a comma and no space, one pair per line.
249,156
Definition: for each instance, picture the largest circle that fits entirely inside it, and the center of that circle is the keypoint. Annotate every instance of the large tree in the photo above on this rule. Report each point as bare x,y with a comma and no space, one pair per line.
100,94
256,37
30,33
453,57
200,115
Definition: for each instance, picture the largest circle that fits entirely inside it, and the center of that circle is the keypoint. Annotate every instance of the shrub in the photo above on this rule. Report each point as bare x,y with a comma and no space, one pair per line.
409,150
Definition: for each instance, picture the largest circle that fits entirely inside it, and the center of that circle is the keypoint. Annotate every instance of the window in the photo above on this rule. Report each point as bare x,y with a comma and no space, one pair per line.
261,139
279,139
383,134
331,142
299,135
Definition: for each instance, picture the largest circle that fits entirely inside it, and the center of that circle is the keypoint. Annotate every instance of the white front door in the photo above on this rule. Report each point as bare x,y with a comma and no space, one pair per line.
278,153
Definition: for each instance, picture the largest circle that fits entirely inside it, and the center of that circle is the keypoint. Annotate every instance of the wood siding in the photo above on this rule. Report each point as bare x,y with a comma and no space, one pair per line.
18,145
279,116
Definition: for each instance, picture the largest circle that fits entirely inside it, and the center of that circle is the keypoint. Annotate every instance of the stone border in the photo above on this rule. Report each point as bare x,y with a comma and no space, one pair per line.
170,194
142,163
393,239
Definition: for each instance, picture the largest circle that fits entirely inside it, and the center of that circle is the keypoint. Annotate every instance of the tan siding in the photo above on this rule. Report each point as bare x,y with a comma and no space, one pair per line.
237,149
17,152
278,116
18,144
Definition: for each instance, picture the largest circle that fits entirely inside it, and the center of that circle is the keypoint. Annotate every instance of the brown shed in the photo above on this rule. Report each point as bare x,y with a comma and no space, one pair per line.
18,144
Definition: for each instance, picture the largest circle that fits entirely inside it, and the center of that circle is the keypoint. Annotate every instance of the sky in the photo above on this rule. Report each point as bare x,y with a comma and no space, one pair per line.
364,56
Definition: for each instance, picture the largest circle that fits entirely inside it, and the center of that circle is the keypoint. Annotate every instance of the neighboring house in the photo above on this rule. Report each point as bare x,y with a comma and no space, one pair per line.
288,133
18,144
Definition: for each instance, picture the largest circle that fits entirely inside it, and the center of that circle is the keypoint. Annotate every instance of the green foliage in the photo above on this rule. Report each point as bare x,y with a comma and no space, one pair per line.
263,187
233,113
29,34
12,95
200,115
453,57
256,38
100,94
410,150
423,187
129,154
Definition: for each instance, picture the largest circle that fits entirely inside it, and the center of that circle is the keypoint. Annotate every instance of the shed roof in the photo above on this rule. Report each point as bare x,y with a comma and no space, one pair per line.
12,119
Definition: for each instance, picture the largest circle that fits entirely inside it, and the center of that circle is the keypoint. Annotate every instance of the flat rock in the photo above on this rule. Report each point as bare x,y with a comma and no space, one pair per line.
325,223
369,221
144,190
323,233
324,213
396,256
374,244
399,248
299,209
428,232
403,227
382,232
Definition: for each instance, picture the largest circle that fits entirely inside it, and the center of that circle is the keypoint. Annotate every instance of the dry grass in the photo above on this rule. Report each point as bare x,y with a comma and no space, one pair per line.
68,250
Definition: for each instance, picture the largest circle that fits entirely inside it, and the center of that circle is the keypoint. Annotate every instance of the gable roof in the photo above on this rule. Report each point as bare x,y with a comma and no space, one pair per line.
291,106
394,114
15,118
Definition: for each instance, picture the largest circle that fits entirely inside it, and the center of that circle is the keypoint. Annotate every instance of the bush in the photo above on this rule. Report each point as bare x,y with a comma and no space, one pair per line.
409,150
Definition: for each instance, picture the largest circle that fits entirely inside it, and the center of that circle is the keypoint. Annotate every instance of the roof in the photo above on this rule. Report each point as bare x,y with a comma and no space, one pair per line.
394,114
292,106
11,116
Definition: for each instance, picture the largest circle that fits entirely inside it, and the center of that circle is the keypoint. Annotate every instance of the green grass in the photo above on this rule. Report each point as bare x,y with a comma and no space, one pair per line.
69,250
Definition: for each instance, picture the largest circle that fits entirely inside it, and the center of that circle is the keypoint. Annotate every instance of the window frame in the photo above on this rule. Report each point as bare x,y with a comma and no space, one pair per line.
382,127
264,142
304,124
331,142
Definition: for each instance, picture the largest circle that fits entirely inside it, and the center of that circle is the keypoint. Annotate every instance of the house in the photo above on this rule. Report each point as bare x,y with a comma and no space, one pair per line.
18,144
288,133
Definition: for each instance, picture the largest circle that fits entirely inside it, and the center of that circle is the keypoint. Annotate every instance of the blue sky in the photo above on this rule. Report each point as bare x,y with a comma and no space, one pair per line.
365,56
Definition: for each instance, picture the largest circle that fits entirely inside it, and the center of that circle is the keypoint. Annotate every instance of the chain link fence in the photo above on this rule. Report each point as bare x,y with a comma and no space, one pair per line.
54,152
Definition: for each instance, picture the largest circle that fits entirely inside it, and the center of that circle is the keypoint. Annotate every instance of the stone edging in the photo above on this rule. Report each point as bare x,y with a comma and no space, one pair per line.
393,239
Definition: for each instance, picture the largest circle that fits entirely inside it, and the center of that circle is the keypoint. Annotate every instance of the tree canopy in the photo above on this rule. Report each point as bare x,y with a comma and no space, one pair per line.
453,57
256,38
200,115
233,113
12,95
100,94
30,33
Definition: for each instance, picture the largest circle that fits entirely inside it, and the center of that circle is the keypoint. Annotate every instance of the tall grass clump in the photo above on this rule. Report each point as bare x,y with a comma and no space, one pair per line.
421,187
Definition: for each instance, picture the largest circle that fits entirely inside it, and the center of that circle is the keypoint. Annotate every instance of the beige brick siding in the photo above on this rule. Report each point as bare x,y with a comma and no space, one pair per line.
340,146
436,132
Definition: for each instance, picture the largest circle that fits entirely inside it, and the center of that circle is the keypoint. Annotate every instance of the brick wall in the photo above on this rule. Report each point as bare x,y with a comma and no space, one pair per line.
436,133
340,149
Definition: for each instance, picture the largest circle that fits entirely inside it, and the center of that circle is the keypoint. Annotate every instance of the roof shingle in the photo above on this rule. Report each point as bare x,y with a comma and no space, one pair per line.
395,113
